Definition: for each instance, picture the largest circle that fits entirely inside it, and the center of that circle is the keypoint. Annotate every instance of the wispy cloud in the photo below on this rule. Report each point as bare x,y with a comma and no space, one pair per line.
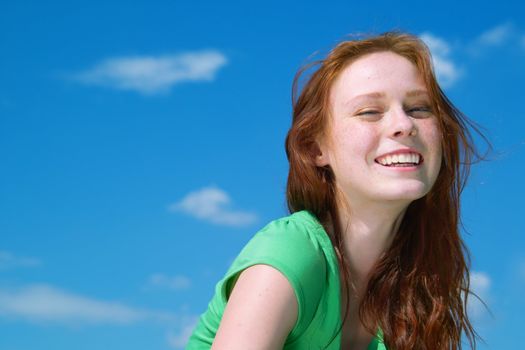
178,282
497,35
212,204
153,74
178,340
45,303
446,70
8,261
480,284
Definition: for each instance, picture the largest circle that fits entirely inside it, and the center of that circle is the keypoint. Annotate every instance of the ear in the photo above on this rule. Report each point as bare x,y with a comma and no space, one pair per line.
320,154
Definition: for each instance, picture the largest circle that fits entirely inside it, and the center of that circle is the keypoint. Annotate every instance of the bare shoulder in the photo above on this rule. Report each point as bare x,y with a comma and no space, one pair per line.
261,311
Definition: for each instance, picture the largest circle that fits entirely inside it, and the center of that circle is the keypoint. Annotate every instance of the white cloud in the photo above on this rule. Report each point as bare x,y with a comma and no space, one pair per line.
8,260
42,302
150,75
178,340
446,70
178,282
437,45
480,284
211,204
496,36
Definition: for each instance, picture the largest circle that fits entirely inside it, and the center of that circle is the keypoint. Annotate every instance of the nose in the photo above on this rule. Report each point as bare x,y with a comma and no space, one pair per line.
402,124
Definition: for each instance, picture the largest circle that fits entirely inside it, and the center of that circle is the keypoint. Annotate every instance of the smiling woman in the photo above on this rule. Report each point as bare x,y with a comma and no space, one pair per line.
373,121
370,256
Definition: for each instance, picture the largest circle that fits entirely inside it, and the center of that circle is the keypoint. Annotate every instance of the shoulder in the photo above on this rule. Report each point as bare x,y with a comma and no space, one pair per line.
292,244
262,306
288,258
295,246
298,235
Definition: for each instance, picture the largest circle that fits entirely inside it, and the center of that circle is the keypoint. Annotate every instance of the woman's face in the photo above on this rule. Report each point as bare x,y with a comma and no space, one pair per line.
380,107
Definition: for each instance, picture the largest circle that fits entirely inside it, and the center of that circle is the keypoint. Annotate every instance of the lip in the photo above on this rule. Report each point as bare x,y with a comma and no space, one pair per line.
401,151
399,168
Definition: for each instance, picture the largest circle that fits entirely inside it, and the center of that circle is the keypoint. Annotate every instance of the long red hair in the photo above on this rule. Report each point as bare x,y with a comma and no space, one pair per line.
417,291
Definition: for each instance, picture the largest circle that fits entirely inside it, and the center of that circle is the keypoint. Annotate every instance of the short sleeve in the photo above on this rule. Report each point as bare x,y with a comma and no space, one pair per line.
290,247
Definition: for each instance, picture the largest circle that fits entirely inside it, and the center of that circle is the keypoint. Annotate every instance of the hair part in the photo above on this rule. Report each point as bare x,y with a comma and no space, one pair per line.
417,291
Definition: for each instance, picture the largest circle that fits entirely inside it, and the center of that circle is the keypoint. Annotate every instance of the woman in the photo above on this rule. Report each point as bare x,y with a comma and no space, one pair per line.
371,256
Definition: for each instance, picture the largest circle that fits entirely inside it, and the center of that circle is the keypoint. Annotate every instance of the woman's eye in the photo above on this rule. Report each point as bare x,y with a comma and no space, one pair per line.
422,110
368,113
417,112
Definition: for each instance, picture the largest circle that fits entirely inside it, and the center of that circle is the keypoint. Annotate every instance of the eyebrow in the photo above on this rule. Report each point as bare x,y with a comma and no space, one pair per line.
377,95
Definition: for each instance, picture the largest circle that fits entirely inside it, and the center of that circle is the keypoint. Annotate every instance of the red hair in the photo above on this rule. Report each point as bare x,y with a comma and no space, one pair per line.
417,291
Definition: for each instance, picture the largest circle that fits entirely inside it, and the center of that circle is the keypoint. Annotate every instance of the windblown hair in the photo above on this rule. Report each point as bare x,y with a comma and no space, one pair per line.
417,291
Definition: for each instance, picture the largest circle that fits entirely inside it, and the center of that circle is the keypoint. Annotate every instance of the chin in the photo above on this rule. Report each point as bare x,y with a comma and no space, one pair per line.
406,194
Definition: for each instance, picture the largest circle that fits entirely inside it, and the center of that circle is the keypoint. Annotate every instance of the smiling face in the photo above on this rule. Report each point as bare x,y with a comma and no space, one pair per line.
379,105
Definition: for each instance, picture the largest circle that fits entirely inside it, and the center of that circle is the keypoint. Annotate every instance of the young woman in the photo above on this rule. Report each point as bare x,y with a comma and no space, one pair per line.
371,256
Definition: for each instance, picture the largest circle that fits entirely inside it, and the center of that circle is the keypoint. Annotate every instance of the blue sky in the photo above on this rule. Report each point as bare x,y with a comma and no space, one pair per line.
142,147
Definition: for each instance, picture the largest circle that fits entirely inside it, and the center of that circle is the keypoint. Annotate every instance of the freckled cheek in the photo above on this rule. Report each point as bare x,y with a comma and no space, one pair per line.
432,138
355,143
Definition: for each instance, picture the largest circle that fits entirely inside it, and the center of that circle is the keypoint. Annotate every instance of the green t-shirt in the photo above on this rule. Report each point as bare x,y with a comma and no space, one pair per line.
299,247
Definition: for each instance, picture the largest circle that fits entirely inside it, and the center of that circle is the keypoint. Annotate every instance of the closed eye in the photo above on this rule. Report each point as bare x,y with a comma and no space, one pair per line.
368,112
424,109
421,111
417,112
370,115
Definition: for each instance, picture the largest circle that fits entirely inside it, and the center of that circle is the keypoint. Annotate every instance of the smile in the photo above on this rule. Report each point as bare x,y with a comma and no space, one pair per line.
406,161
400,160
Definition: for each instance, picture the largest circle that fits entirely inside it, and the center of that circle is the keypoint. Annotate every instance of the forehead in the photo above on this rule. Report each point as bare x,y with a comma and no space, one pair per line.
376,75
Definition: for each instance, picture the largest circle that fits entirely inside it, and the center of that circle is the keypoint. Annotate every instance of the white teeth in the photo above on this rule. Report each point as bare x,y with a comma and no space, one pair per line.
404,158
400,158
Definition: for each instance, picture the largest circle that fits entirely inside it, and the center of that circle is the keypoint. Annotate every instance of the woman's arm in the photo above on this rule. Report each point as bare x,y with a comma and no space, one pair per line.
261,311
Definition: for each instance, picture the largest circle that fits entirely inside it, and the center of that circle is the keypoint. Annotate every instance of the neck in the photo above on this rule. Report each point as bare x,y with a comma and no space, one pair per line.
368,230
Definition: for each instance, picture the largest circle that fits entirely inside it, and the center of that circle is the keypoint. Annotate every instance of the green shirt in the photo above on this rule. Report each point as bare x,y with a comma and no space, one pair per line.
298,246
